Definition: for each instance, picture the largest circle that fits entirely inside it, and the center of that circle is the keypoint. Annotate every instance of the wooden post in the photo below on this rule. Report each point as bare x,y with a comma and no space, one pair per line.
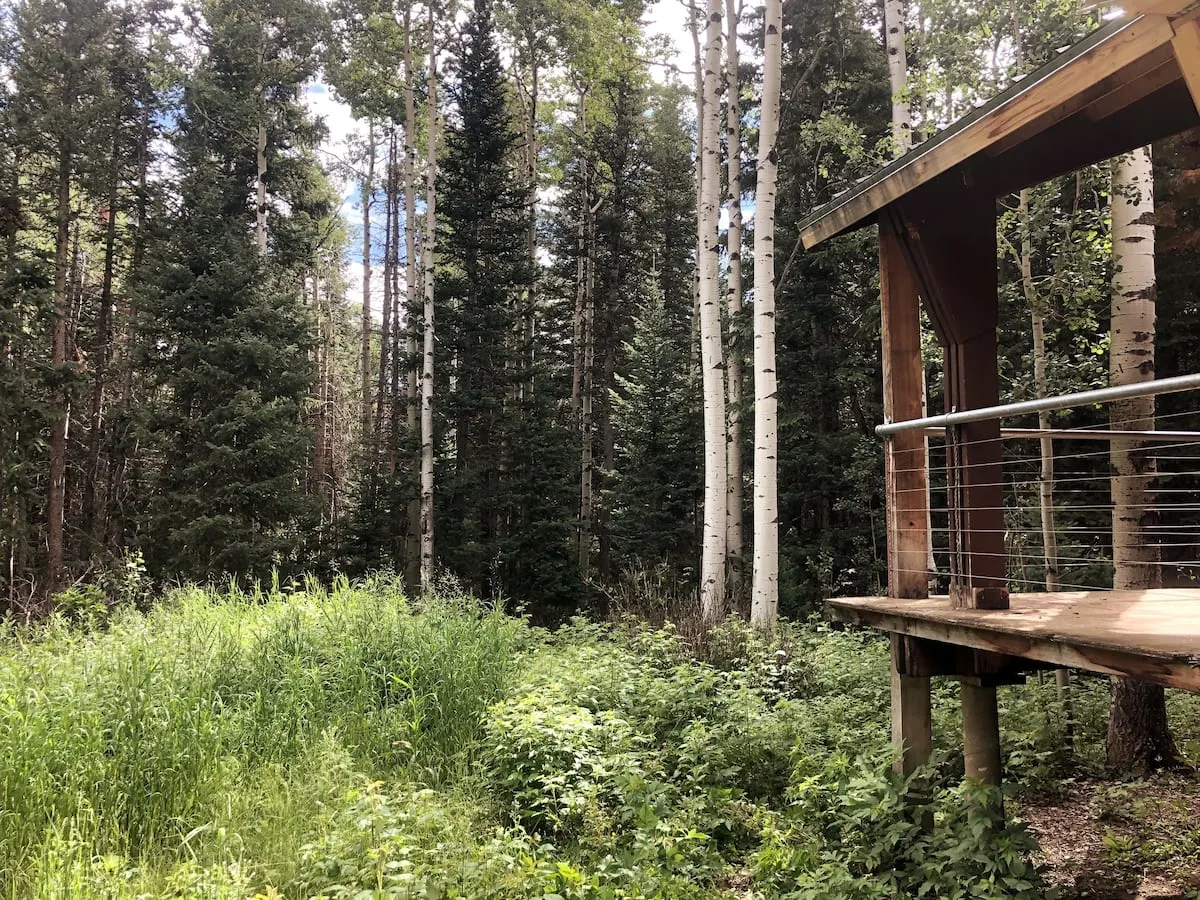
906,486
981,732
905,474
950,236
912,722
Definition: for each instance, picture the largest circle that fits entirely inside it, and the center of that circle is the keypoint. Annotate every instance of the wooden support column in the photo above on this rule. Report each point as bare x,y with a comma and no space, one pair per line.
906,486
906,478
950,237
981,732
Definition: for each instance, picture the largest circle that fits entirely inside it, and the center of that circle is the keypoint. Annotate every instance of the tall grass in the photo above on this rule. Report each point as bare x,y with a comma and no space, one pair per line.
124,735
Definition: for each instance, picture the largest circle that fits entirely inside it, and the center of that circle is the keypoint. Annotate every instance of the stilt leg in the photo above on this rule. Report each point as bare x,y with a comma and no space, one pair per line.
912,730
981,733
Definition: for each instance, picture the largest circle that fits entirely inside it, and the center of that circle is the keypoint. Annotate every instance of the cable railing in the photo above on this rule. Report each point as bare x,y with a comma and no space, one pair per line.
1072,547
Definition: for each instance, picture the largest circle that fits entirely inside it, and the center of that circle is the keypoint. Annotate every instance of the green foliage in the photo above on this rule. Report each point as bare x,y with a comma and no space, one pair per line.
226,332
349,743
138,725
855,830
656,410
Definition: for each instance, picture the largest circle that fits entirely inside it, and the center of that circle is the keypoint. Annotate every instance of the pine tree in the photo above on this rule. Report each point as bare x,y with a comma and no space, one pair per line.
482,274
229,335
658,486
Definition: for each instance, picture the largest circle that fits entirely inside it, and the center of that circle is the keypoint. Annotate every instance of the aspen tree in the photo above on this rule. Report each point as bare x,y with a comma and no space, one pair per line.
713,556
1138,734
412,543
428,247
733,132
764,607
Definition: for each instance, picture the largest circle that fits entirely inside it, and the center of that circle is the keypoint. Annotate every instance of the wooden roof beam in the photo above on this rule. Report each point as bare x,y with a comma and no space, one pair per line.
1186,45
1038,98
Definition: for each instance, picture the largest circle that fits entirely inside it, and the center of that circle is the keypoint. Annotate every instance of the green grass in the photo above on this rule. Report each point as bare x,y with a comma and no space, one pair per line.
350,743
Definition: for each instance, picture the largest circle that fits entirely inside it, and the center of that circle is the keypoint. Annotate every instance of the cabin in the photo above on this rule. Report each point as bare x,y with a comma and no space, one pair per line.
1132,82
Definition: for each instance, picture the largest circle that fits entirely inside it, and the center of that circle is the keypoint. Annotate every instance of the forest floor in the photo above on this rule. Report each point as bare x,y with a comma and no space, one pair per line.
350,743
1106,840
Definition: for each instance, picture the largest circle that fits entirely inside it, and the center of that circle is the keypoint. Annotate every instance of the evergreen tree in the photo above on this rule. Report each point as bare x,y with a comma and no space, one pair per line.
658,483
229,334
483,272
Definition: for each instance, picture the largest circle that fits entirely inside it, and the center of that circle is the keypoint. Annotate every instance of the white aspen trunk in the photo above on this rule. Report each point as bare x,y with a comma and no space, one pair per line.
893,23
716,479
427,268
698,80
260,218
733,131
1131,360
1139,736
764,607
367,191
412,544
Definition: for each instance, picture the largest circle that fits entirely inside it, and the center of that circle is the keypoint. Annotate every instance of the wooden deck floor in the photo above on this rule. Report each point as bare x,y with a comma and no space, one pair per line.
1153,635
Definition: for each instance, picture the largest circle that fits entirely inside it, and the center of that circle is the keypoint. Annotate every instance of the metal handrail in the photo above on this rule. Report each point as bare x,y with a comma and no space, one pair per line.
1045,404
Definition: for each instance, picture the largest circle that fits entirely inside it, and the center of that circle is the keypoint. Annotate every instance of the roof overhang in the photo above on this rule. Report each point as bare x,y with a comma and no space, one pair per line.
1124,86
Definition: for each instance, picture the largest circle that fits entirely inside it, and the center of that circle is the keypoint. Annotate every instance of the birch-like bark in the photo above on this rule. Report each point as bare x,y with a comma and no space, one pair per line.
712,363
427,267
1138,736
1131,360
368,189
412,543
764,608
893,23
733,132
698,80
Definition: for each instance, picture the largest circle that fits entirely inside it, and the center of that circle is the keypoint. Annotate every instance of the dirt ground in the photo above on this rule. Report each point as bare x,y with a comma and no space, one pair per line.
1120,840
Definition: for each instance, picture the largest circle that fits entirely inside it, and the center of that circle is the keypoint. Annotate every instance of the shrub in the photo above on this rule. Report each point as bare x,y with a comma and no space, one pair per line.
857,830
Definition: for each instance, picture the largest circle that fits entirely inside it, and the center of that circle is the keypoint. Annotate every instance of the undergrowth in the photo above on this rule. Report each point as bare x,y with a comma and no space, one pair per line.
352,743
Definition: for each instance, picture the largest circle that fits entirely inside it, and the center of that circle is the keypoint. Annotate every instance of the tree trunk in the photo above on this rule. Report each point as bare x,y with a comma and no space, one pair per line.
716,475
694,28
765,603
1041,387
427,267
733,129
585,346
396,420
893,23
368,189
321,426
61,409
1138,736
93,515
385,333
412,543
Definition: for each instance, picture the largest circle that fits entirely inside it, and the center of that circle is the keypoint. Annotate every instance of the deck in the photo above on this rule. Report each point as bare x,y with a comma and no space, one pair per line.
1153,635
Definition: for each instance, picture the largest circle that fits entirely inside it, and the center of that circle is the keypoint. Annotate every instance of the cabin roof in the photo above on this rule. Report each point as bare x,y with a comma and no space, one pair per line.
1120,88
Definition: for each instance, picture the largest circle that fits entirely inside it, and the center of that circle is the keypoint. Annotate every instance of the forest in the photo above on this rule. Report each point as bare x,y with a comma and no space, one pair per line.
426,450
